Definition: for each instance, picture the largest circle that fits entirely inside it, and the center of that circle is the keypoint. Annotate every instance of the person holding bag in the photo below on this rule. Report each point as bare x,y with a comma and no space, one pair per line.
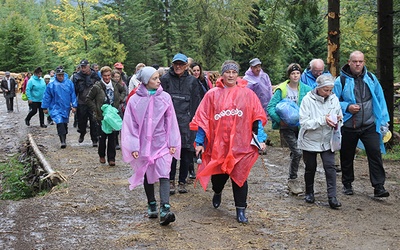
105,91
320,116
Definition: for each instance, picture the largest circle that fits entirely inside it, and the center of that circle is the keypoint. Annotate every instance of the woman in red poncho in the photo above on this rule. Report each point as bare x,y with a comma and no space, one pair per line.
225,120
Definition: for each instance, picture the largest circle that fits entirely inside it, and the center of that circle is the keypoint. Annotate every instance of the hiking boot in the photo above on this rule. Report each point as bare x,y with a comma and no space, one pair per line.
81,138
309,198
182,188
334,203
380,191
152,209
117,147
102,160
111,163
166,216
171,187
294,186
94,144
348,189
192,174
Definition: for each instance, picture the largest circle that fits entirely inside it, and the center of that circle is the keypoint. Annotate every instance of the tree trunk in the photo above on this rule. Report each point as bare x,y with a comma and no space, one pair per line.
333,37
385,53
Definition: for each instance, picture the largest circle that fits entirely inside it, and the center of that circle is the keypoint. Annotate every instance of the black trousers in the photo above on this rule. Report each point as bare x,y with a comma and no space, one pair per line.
34,107
186,159
10,103
107,143
62,128
239,193
85,114
328,161
371,140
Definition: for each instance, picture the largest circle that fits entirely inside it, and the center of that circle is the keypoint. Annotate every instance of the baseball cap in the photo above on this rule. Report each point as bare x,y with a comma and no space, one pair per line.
118,65
59,70
180,57
255,61
7,73
84,62
46,77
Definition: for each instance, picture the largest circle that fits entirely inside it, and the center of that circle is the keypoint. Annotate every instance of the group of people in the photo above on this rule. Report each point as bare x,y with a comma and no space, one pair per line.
179,115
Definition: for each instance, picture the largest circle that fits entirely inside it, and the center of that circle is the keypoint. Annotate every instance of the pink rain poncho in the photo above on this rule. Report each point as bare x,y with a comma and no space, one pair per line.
150,127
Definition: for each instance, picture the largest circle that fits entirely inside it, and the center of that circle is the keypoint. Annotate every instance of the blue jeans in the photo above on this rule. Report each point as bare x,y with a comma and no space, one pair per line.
290,134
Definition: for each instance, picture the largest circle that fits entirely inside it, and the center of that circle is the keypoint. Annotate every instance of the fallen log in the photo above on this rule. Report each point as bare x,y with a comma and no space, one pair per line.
54,176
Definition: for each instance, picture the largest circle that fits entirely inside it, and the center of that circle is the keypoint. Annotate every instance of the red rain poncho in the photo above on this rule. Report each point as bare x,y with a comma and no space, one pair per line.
227,115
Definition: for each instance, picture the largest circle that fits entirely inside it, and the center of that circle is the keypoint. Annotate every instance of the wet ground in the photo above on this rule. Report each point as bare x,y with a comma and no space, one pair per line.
94,209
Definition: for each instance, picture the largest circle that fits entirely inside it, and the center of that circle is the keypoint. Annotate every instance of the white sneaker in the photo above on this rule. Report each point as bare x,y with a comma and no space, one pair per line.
294,186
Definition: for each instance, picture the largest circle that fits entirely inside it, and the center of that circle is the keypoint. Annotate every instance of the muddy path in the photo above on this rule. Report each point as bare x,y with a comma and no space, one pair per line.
94,209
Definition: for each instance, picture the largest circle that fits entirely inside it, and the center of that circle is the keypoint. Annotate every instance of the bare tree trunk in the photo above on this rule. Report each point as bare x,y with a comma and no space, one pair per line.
385,52
333,37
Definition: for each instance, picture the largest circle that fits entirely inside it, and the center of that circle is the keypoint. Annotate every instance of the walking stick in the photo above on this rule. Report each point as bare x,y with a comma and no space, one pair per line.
16,99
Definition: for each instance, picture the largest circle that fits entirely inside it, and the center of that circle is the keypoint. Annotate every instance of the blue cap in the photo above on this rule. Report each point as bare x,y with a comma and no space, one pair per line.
180,57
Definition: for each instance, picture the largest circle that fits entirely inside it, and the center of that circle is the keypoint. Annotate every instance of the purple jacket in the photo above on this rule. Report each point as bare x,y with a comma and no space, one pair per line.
150,127
261,85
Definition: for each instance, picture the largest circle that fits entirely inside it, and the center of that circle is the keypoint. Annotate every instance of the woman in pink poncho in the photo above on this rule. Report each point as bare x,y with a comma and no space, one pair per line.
149,139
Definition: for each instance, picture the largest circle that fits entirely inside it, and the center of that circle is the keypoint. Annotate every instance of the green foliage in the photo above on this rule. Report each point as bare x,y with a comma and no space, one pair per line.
21,48
13,186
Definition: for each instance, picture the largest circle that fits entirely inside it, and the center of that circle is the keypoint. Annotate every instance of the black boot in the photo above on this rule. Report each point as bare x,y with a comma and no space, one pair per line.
240,215
62,140
216,201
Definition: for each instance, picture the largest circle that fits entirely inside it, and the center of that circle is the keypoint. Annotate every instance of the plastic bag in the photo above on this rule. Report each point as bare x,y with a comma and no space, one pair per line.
336,140
111,119
288,111
24,97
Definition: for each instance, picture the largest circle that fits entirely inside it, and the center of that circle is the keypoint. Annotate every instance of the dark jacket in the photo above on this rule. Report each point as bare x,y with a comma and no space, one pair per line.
83,83
97,97
185,94
4,87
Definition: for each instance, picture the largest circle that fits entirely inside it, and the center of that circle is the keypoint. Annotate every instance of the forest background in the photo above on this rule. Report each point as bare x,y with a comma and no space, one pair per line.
49,33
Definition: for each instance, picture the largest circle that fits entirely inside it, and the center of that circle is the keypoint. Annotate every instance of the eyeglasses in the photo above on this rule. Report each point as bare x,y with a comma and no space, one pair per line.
180,64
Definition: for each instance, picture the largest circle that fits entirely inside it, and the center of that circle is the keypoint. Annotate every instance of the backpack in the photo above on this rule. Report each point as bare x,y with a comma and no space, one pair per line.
343,79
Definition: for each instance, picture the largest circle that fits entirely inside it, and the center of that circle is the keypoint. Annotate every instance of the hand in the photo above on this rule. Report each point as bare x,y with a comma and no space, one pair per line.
45,111
263,146
29,101
199,149
354,108
329,122
135,154
172,150
73,110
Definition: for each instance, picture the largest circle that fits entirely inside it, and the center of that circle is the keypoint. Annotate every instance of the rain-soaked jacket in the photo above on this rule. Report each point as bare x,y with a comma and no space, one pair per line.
58,98
150,127
226,115
261,85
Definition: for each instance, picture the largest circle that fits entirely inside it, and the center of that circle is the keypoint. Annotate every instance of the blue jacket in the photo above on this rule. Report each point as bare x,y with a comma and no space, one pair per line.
309,79
59,97
346,97
35,89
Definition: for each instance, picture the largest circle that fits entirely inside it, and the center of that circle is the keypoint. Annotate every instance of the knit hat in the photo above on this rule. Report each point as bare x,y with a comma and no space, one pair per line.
145,74
325,80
